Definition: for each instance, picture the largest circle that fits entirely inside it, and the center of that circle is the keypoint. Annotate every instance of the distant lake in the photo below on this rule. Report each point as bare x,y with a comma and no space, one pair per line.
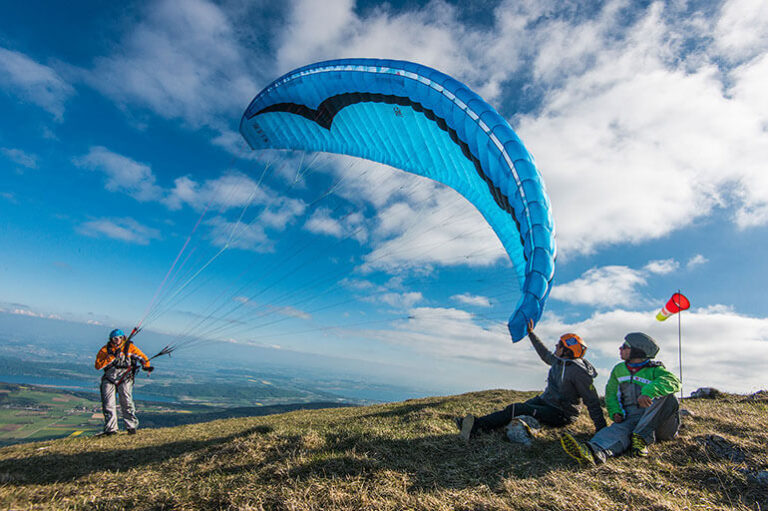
91,386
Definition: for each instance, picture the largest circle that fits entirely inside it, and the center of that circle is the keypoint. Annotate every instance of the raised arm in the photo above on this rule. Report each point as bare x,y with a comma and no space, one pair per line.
547,356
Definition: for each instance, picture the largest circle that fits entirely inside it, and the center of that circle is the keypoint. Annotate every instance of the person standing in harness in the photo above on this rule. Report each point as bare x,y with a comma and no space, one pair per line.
120,359
570,380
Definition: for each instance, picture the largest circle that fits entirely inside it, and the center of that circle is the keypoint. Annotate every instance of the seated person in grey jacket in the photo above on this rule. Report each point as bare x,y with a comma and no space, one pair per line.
570,380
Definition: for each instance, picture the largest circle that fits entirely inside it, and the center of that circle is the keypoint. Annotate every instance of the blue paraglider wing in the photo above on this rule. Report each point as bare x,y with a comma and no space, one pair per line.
417,119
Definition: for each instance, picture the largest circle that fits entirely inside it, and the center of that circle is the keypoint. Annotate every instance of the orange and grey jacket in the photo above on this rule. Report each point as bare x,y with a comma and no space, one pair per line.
117,360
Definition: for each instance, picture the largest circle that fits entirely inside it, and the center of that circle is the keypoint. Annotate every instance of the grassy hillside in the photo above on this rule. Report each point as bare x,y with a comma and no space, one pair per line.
395,456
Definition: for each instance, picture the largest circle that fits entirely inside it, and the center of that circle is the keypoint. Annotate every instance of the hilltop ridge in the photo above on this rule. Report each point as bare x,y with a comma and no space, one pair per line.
404,455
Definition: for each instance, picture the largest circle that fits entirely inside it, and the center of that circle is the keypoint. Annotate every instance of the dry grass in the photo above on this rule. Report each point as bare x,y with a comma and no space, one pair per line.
395,456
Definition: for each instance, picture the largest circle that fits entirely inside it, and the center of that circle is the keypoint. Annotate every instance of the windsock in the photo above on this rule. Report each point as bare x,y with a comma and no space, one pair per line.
677,303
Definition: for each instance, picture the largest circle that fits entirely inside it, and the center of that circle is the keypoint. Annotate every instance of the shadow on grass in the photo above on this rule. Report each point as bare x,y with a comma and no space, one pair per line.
56,467
164,420
430,462
404,410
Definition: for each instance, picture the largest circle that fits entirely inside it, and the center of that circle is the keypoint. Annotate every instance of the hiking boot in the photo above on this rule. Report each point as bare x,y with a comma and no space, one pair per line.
131,431
600,455
104,433
639,447
466,427
577,450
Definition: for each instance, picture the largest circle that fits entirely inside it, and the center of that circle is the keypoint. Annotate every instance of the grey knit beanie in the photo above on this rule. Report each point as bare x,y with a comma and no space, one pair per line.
642,342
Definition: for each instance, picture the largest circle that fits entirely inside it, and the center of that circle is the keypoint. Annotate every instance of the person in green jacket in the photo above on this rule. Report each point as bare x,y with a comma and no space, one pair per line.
640,398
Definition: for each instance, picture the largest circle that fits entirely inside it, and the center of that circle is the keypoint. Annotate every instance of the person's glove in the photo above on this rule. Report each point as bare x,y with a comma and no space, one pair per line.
617,417
148,369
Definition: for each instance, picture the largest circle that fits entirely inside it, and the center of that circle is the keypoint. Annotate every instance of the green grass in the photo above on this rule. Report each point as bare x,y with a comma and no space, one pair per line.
55,414
394,456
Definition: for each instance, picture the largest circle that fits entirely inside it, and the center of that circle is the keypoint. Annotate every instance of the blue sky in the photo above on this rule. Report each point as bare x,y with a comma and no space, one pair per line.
648,121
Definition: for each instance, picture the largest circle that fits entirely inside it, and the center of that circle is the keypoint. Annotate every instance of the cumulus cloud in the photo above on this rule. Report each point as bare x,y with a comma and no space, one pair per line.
350,225
269,309
609,286
696,260
433,34
741,30
180,61
34,82
231,190
239,235
401,300
617,286
20,157
250,231
27,312
444,229
645,138
123,229
123,174
662,267
452,333
470,299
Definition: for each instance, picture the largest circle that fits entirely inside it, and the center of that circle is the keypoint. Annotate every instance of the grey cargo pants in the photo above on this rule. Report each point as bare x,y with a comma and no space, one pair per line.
660,421
125,394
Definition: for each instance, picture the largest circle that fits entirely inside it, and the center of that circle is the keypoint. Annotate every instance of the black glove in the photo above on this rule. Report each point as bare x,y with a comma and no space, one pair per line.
148,369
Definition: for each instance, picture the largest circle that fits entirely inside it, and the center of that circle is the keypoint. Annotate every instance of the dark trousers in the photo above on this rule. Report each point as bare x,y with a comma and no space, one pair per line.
535,407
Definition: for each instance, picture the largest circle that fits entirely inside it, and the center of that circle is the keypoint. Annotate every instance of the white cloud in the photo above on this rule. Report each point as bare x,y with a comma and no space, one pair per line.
433,34
662,267
351,225
741,32
470,299
454,333
269,309
262,209
231,190
20,157
401,300
123,174
281,212
606,287
26,312
696,260
183,61
123,229
245,236
646,138
34,82
443,230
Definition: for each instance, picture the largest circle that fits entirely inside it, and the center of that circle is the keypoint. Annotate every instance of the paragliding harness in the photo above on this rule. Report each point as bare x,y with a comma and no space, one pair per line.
135,364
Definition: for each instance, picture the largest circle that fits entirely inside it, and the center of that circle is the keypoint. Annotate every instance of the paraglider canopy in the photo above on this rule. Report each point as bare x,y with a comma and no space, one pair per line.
422,121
